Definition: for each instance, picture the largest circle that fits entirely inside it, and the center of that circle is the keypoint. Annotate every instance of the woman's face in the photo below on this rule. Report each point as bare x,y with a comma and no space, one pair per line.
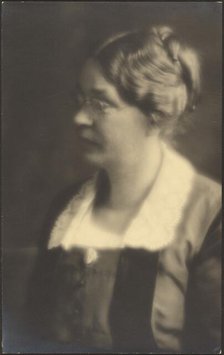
111,130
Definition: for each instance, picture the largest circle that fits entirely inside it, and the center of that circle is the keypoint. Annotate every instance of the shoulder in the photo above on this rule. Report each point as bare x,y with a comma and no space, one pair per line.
197,200
208,189
203,191
205,202
195,190
206,195
204,212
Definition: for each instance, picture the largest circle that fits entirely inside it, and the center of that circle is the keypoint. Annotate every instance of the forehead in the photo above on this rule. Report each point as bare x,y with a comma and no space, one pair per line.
92,80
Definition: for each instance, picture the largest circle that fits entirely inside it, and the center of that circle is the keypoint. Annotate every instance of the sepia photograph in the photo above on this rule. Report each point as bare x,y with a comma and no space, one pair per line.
111,177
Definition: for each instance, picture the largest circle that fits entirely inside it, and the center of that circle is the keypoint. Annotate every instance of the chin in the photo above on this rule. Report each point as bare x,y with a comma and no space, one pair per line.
92,153
93,158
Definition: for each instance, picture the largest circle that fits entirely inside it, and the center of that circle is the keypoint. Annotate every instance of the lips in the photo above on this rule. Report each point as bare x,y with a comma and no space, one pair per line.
88,137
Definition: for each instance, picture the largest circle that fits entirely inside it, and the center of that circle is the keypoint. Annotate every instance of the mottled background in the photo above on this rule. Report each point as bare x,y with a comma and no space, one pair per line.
43,44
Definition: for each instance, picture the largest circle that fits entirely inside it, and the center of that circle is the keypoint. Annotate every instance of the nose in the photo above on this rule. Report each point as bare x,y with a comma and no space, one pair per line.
83,118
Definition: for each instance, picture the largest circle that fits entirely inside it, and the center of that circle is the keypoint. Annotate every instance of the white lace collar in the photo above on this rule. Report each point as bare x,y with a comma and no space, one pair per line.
155,224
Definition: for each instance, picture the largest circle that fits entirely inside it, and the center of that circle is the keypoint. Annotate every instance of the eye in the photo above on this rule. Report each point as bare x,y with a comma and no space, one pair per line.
99,104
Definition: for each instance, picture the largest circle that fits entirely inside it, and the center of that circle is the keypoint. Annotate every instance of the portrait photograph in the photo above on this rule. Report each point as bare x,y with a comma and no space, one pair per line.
111,122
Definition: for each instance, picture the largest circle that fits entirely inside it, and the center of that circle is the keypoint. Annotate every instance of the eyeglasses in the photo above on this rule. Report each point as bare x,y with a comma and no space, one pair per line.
97,107
93,104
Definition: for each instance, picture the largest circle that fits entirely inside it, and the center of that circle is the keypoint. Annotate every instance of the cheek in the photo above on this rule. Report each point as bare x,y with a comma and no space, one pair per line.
133,129
123,130
109,129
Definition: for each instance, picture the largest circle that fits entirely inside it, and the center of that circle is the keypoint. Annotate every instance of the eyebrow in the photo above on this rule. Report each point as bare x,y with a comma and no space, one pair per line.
102,95
99,93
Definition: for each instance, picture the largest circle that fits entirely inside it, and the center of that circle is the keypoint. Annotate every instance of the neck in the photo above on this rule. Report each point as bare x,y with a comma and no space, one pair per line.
130,181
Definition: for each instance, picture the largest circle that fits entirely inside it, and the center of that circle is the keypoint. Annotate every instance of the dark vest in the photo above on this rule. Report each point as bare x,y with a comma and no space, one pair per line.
59,297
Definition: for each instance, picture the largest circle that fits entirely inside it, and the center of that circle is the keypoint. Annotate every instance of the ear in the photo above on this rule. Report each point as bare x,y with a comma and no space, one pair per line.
153,126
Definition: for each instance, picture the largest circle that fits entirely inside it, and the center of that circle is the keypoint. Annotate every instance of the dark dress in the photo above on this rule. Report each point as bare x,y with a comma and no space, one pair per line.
119,302
105,304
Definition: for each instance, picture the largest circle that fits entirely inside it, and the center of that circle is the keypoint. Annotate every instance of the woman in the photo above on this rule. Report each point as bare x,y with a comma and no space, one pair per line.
132,262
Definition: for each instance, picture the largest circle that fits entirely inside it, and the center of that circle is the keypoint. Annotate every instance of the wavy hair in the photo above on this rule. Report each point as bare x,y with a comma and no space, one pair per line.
155,71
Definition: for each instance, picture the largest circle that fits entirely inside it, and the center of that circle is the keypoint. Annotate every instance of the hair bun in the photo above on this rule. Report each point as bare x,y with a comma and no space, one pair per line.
155,70
162,32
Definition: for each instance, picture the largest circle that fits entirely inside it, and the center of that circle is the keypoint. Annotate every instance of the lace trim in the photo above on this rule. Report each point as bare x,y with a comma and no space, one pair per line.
155,224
